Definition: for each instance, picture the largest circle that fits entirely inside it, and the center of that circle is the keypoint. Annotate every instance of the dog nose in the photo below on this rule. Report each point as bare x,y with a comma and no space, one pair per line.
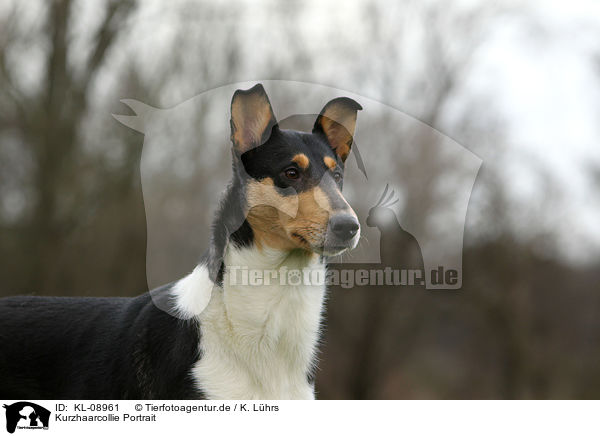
344,226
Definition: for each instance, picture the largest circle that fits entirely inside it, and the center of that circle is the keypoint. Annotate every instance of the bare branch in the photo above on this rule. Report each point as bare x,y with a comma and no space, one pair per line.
116,13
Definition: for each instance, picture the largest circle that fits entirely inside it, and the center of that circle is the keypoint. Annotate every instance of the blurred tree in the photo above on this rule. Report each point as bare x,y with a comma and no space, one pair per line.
46,120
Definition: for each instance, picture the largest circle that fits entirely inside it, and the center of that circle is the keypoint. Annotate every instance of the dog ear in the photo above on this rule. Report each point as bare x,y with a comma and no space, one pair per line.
252,118
337,121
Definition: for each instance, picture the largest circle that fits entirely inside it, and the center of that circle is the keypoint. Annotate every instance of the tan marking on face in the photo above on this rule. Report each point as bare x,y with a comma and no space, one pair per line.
329,162
311,220
301,160
287,222
265,205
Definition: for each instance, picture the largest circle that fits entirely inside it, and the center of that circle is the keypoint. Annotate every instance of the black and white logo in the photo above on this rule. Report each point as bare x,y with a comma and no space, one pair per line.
26,415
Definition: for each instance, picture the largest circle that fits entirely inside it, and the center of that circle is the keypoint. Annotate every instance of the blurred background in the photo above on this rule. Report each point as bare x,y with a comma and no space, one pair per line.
516,83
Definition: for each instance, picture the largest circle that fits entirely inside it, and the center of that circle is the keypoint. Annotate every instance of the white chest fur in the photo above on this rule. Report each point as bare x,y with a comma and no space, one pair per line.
259,341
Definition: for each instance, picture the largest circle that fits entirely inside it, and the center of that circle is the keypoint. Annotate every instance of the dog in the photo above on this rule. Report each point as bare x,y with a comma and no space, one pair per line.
220,339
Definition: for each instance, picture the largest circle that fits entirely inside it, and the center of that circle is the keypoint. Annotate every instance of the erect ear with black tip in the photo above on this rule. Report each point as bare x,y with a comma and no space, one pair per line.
337,121
252,118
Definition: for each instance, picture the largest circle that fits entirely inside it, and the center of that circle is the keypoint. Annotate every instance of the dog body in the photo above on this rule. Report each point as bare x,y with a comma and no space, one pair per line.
94,348
217,335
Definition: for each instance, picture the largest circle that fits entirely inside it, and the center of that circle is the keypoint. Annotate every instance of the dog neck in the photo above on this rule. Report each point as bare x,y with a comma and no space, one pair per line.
262,286
259,311
261,327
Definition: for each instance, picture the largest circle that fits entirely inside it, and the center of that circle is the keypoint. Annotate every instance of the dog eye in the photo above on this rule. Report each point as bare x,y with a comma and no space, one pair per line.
337,177
292,173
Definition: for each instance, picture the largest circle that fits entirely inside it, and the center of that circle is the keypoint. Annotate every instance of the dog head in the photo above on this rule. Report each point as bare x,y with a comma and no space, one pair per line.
292,179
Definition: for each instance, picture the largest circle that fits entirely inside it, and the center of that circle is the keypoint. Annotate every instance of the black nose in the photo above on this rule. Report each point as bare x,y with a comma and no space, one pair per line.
344,226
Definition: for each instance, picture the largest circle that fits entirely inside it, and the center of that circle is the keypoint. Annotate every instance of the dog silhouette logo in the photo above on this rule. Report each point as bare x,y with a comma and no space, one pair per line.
26,415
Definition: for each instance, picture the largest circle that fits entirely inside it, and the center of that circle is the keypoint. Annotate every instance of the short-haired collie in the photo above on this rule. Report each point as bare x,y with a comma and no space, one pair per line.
222,339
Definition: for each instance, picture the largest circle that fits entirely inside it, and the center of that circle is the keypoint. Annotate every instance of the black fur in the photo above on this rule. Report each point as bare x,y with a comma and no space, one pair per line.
95,348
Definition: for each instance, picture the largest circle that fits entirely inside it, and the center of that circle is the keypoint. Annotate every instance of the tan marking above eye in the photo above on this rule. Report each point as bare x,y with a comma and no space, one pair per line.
301,160
330,162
